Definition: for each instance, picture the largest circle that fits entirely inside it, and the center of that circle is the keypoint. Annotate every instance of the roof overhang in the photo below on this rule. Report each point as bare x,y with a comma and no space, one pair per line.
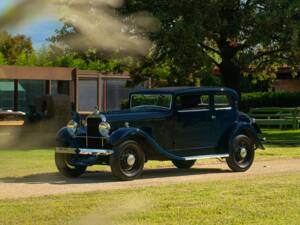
35,73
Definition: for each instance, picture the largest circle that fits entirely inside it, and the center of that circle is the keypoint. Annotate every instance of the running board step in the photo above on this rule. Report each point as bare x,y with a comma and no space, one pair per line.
206,157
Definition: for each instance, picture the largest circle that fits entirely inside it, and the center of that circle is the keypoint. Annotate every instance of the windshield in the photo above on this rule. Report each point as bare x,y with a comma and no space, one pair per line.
163,101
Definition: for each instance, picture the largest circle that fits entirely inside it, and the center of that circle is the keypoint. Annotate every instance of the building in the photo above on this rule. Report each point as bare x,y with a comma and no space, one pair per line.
285,81
20,87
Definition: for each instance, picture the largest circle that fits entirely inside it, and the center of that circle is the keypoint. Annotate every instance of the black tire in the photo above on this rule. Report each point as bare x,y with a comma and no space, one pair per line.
183,164
241,154
121,167
61,161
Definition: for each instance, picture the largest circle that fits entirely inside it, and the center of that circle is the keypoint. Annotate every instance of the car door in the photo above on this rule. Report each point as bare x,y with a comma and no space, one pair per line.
224,113
193,125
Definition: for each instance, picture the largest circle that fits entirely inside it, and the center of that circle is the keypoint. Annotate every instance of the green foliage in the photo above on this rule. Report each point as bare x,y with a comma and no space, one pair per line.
26,59
125,104
254,36
210,80
14,46
269,99
249,84
3,60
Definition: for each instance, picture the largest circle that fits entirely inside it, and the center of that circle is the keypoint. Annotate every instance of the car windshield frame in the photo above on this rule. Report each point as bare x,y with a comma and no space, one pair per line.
151,106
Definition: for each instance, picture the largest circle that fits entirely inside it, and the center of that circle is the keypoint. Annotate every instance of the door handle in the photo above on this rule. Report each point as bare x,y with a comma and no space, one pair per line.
213,117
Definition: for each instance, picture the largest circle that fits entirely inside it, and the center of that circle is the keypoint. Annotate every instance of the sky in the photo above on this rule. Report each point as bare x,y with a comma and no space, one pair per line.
38,31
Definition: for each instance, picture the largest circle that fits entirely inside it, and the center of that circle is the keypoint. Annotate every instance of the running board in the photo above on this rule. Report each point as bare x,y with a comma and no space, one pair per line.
206,157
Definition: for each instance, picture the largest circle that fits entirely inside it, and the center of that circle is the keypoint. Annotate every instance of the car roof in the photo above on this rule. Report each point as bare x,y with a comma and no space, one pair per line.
184,90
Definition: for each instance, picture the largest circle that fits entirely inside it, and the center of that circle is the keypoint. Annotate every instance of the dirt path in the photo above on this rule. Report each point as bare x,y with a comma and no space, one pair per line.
53,183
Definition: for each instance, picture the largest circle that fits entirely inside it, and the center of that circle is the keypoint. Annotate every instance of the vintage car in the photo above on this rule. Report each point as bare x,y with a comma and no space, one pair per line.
178,124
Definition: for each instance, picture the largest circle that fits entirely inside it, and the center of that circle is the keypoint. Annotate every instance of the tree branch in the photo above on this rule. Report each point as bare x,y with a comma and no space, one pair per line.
214,61
210,48
262,54
248,2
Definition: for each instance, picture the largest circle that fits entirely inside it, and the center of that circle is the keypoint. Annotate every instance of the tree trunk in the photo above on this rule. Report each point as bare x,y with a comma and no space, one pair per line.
231,75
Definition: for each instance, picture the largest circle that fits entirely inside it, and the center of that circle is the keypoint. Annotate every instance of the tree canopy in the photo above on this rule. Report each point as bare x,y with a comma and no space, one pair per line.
235,36
11,47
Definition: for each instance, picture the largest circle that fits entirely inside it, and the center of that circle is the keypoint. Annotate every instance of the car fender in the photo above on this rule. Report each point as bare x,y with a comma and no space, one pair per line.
63,137
247,129
123,134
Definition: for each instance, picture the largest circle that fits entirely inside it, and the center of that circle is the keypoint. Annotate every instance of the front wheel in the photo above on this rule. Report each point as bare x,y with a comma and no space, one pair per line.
128,160
241,154
62,162
183,164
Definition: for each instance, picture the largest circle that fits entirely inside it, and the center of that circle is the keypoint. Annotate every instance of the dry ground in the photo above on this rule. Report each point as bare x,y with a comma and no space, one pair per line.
53,183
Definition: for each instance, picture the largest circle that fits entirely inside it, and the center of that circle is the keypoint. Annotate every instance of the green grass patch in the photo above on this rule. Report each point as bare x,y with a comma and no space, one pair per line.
18,163
260,200
281,138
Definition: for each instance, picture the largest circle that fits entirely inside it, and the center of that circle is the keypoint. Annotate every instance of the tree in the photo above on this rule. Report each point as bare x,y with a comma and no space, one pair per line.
3,60
237,36
13,46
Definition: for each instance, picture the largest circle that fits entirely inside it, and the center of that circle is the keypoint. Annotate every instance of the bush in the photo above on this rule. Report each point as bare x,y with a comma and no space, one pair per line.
269,99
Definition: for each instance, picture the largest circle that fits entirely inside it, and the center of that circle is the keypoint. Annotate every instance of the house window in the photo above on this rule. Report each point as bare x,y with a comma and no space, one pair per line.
6,95
33,90
88,94
60,87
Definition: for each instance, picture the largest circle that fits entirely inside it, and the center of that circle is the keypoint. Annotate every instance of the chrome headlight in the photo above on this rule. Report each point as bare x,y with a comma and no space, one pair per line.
72,127
253,120
104,128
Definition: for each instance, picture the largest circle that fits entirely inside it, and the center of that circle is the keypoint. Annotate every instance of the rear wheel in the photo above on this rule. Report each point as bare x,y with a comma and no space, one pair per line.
62,162
128,160
241,154
183,164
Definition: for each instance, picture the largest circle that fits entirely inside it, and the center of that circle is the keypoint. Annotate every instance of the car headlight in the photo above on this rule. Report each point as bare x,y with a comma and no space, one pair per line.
253,120
104,128
72,127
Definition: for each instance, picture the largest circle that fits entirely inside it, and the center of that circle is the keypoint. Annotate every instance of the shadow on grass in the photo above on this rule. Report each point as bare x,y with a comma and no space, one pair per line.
106,177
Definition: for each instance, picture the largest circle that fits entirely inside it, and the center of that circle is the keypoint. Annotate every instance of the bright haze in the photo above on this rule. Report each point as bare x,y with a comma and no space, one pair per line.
97,23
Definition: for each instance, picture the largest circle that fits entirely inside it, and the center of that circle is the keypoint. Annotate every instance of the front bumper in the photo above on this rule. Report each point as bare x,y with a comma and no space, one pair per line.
84,151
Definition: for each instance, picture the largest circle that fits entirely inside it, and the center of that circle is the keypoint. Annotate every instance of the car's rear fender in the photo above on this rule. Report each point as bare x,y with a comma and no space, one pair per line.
246,129
123,134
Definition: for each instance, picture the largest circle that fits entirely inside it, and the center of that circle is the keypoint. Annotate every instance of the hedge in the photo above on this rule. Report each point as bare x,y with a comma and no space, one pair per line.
269,99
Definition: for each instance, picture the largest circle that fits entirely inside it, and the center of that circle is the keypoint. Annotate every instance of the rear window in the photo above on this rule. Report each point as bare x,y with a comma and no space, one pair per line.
222,102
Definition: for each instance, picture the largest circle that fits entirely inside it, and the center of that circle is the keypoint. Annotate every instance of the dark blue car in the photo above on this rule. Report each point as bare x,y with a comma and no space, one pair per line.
177,124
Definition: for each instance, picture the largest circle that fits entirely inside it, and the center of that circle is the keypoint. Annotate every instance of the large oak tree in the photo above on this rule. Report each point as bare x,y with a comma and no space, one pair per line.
234,35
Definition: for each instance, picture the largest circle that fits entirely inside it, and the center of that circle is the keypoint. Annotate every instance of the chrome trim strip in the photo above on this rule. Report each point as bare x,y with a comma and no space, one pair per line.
224,108
94,137
84,151
206,156
193,110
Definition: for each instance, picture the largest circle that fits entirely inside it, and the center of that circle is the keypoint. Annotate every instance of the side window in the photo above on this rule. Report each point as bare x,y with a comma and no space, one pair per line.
192,102
222,102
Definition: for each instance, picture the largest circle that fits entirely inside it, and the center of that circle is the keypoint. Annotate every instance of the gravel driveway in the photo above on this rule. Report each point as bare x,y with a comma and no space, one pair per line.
53,183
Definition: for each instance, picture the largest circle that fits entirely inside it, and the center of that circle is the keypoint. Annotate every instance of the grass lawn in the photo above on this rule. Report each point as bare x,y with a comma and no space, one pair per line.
256,200
260,200
17,163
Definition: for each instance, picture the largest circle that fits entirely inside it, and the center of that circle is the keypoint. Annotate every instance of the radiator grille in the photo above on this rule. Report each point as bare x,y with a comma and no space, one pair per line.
94,137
